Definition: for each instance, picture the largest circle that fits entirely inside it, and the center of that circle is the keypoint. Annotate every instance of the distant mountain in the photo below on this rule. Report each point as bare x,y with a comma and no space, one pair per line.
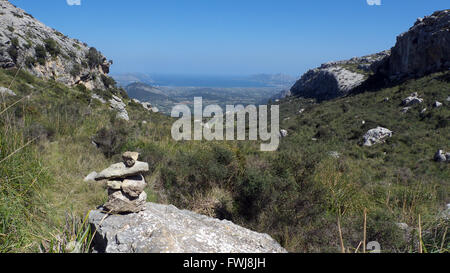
145,92
274,79
129,78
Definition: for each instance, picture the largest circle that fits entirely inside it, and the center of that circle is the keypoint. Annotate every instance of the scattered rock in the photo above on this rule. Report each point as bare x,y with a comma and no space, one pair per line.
120,170
423,110
283,133
405,110
130,158
334,154
301,111
377,135
6,92
440,156
437,104
166,229
90,177
412,100
118,105
97,97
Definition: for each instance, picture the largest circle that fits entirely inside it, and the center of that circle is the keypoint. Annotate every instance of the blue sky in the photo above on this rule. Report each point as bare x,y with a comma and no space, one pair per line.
230,37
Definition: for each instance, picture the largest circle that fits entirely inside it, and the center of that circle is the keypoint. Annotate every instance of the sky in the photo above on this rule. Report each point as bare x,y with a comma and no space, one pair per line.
230,37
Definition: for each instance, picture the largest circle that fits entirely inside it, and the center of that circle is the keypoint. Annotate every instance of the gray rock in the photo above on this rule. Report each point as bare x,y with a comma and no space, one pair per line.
97,97
118,105
22,31
130,158
423,49
120,170
377,135
412,100
405,110
6,92
334,154
439,156
90,177
134,186
283,133
437,104
120,202
336,79
166,229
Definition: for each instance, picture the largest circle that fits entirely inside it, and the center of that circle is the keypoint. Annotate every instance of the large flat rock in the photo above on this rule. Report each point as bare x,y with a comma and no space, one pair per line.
166,229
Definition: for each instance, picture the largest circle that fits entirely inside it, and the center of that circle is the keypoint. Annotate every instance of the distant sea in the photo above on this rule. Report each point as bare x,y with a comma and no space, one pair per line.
205,81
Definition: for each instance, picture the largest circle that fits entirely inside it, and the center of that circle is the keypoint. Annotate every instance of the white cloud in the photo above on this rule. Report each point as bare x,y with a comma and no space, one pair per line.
73,2
374,2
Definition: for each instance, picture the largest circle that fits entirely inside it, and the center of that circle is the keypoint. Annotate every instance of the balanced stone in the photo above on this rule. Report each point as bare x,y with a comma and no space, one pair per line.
130,158
134,186
120,202
120,170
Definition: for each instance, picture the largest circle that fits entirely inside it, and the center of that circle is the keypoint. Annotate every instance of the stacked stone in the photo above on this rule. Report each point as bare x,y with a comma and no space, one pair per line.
126,185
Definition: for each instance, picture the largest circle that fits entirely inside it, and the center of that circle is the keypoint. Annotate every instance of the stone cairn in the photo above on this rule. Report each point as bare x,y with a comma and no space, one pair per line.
126,185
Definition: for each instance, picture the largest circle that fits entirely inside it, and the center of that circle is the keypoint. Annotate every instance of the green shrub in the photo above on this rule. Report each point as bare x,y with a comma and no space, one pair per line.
52,47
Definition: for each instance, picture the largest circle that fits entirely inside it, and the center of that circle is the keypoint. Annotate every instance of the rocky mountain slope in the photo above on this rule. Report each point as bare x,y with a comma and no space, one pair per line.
26,42
423,49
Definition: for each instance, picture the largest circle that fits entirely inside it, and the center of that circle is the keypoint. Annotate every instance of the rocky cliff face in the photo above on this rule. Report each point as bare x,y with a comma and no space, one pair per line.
25,42
423,49
166,229
336,79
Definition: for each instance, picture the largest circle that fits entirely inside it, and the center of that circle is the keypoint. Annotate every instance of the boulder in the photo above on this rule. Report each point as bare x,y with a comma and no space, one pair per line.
440,156
412,100
120,170
283,133
6,92
377,135
120,202
166,229
117,104
437,104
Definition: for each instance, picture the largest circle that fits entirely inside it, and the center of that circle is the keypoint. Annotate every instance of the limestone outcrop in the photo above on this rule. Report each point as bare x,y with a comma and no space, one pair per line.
423,49
27,43
336,79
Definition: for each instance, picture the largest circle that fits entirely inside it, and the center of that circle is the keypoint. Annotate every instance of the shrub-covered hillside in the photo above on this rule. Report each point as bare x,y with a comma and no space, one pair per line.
303,195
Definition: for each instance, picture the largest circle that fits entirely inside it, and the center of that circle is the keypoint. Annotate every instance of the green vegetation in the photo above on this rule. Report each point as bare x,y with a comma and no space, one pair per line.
41,54
94,57
52,47
300,194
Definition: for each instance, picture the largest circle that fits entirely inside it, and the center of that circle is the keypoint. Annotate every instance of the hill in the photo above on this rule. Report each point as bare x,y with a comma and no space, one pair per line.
45,52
